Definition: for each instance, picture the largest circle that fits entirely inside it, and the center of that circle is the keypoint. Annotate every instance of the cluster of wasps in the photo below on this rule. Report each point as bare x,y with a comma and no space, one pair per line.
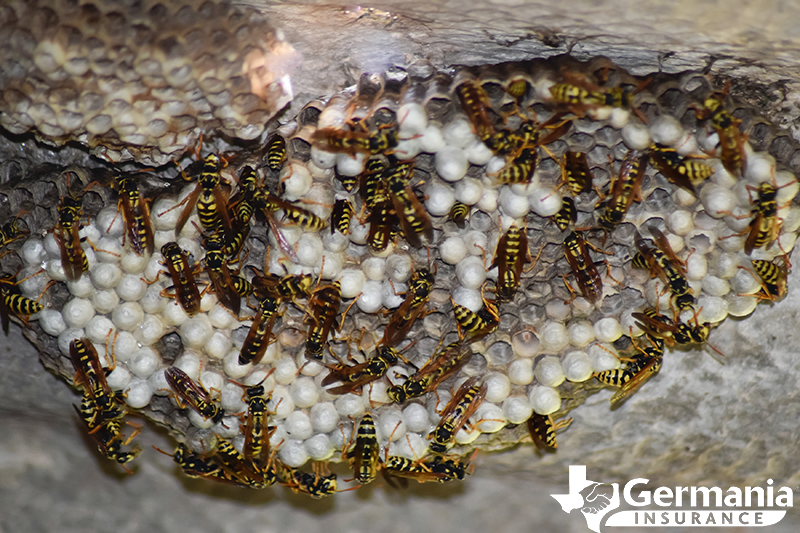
393,208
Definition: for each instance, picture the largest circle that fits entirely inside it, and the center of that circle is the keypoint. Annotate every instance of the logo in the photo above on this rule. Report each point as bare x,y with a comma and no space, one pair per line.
678,506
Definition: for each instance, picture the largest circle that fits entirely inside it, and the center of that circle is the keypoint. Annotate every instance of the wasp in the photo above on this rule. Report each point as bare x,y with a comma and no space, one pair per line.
257,341
519,169
661,329
663,263
461,406
371,174
340,218
765,225
475,326
195,465
182,275
414,219
90,374
108,434
580,95
324,308
356,376
314,484
439,470
440,367
365,453
543,430
418,294
475,103
73,258
193,394
576,173
210,200
16,304
644,366
381,140
239,469
276,152
256,435
772,276
299,216
288,288
625,190
459,214
567,215
510,257
731,139
682,171
382,220
10,232
217,267
136,215
518,88
582,268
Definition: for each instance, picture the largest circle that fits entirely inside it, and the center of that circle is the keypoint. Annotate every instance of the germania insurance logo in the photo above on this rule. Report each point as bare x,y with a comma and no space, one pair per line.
668,506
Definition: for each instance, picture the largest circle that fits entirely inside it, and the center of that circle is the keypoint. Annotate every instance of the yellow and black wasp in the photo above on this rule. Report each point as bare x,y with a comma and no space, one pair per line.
135,214
474,326
356,376
417,295
193,394
682,171
258,338
15,304
772,276
510,257
316,484
664,264
567,215
439,469
576,173
197,466
186,291
543,430
91,376
107,434
73,258
414,220
476,105
10,232
323,313
380,140
341,215
636,372
582,268
364,455
212,205
459,214
662,329
625,190
239,469
440,367
461,406
228,291
276,152
731,139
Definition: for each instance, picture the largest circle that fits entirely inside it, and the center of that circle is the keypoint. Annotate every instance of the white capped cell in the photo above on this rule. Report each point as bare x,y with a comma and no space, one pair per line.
517,409
309,249
666,130
189,362
549,372
488,202
526,343
374,268
127,316
520,371
106,276
740,306
67,336
544,400
545,202
498,387
332,264
607,330
324,417
158,383
285,371
131,288
55,270
322,159
133,263
489,418
227,428
513,205
350,165
196,331
119,378
711,309
478,153
98,329
619,118
110,222
230,398
371,299
416,418
108,251
399,267
635,136
413,446
603,357
680,222
431,141
52,322
319,448
760,167
138,393
458,133
144,362
466,435
452,250
469,298
296,179
553,337
281,402
163,217
293,453
32,252
218,345
557,310
393,294
476,242
684,198
391,425
173,314
375,393
440,199
717,201
451,163
744,282
220,317
581,333
232,367
412,120
298,425
577,366
350,405
124,345
352,281
153,269
51,246
304,392
77,313
469,191
208,301
470,272
82,287
696,267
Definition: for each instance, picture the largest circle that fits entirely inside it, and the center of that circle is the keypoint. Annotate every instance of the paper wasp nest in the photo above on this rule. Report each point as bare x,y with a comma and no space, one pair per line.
543,356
